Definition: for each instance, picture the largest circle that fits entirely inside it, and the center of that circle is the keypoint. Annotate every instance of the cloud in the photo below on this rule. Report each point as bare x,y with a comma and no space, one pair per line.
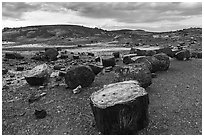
16,9
106,13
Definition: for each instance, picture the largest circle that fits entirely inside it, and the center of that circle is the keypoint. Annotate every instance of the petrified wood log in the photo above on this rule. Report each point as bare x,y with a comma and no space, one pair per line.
108,62
80,75
183,55
139,72
164,61
120,108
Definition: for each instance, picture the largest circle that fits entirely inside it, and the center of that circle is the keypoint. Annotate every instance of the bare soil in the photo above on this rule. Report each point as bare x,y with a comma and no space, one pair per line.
175,105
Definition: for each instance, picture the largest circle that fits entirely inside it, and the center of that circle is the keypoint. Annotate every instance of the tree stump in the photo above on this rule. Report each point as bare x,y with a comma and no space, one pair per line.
120,108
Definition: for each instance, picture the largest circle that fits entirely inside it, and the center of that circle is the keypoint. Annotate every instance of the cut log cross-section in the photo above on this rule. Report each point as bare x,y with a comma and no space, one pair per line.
120,108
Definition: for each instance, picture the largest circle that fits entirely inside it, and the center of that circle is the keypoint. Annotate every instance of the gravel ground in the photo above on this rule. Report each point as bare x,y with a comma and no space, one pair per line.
175,105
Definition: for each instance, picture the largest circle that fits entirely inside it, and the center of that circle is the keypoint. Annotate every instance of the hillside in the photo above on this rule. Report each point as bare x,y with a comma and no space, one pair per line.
74,34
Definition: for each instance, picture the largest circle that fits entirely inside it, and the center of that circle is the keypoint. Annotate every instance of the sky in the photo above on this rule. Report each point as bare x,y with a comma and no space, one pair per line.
150,16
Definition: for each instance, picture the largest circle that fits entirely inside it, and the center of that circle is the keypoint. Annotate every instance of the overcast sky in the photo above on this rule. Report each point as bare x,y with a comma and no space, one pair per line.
113,15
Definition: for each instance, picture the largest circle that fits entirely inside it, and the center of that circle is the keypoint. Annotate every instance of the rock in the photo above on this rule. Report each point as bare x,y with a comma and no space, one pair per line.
40,114
77,89
57,67
80,75
37,76
108,69
108,62
64,56
62,73
90,54
196,54
167,50
183,55
13,55
116,54
96,69
120,108
4,71
127,59
20,68
97,59
138,52
39,56
37,97
51,53
75,56
145,60
135,72
164,61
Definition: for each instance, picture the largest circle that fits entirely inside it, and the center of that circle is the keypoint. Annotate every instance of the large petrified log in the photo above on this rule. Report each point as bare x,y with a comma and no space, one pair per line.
13,55
120,108
107,62
164,61
139,72
80,75
51,53
37,76
116,54
167,50
183,55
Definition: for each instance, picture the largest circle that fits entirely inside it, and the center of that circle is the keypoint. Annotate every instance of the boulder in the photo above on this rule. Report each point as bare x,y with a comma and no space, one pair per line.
13,55
164,61
51,53
138,72
37,76
80,75
108,62
116,54
144,59
183,55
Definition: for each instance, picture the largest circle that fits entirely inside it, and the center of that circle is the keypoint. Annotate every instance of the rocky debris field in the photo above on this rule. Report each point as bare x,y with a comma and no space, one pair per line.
46,92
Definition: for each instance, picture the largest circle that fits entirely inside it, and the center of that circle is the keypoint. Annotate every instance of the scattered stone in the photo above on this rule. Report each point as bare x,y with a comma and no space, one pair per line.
4,71
90,54
154,75
97,59
75,56
37,76
127,59
164,61
57,67
33,98
62,73
116,54
13,55
64,56
108,69
80,75
40,114
183,55
77,89
20,68
108,62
